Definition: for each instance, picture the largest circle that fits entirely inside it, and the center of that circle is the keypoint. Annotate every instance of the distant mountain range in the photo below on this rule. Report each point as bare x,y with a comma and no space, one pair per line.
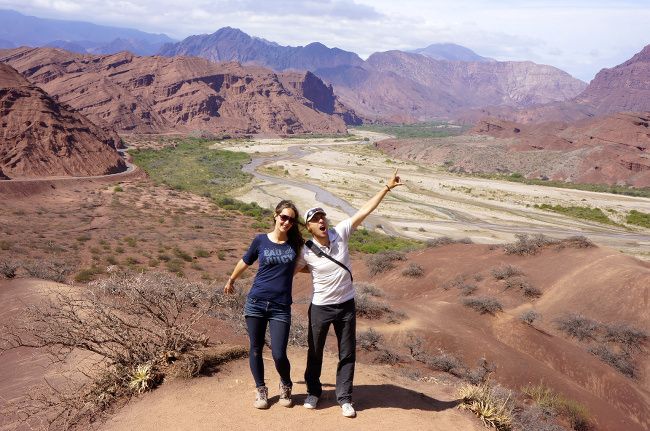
17,30
450,52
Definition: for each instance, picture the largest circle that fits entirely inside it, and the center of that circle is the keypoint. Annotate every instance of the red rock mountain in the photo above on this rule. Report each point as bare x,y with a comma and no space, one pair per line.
624,88
41,137
159,94
399,84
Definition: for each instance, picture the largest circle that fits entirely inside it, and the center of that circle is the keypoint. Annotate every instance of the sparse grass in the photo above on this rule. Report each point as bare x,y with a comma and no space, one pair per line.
483,304
88,274
434,129
638,218
367,241
182,254
493,410
199,252
130,241
382,262
583,213
555,403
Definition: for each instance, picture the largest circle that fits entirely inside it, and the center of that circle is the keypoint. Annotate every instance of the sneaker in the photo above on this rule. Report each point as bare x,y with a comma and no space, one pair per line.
261,398
285,396
310,402
348,411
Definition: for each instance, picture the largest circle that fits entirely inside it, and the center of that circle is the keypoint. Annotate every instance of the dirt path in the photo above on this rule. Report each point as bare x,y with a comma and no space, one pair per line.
384,401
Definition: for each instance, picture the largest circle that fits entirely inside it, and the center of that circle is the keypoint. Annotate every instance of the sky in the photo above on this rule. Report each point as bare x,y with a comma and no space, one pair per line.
578,36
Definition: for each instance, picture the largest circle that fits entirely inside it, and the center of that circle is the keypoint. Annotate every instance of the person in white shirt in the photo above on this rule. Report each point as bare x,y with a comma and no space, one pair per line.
333,298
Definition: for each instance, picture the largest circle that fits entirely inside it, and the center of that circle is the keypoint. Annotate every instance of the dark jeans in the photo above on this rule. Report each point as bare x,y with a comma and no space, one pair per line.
258,314
343,317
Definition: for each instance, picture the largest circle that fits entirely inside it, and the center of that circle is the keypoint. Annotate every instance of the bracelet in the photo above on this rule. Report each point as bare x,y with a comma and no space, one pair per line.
387,188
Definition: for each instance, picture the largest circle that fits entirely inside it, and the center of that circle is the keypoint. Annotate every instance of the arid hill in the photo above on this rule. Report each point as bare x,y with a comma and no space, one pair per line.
41,137
623,88
608,150
182,94
396,83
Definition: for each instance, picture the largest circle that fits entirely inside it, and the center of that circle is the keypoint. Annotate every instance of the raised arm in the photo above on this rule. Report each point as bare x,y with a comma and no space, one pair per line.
373,203
230,284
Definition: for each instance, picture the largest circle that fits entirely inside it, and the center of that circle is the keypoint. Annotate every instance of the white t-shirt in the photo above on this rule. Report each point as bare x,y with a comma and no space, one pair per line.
332,284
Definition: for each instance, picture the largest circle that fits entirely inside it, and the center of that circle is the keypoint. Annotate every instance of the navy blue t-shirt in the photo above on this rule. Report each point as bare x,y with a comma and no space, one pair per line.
274,277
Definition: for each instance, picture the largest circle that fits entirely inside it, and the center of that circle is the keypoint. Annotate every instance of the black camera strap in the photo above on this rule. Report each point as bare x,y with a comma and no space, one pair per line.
320,253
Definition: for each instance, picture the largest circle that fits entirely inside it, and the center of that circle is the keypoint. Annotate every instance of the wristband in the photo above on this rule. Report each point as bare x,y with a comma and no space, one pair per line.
387,188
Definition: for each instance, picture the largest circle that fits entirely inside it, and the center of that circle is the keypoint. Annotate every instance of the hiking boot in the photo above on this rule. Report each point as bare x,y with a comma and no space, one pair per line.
310,402
285,395
261,398
348,411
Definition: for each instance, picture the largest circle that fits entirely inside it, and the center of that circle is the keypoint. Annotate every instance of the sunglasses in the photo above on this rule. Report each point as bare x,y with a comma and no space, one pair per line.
285,218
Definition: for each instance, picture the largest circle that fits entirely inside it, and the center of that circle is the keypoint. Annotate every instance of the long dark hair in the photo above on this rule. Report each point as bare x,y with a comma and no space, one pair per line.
294,235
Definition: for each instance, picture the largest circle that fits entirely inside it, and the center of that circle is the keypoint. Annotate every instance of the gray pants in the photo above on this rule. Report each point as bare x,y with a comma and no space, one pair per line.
343,317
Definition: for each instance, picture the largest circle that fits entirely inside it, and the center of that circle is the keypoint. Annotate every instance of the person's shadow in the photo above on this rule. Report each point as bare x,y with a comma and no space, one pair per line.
367,397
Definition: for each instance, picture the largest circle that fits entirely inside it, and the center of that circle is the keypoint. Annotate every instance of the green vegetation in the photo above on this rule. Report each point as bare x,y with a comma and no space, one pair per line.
194,167
435,129
367,241
638,218
643,192
557,404
584,213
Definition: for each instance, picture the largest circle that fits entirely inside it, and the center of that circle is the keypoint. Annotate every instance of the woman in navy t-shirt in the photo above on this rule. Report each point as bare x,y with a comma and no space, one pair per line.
269,300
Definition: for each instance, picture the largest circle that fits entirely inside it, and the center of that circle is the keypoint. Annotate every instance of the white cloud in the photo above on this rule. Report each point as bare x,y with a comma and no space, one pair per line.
579,36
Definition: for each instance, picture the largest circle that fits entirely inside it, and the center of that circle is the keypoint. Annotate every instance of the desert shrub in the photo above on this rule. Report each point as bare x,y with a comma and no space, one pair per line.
524,286
526,245
134,325
506,271
388,357
204,360
368,289
88,274
578,241
481,373
445,240
369,340
298,331
414,344
55,270
8,268
5,245
182,254
529,316
578,326
638,218
483,304
367,241
530,291
444,361
201,253
482,400
629,337
468,289
370,308
382,262
413,270
620,361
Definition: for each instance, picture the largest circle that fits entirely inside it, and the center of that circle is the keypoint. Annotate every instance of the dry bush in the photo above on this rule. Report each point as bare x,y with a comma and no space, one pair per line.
468,289
8,268
483,304
629,337
533,418
368,289
530,316
369,340
488,404
621,361
445,240
414,344
481,373
528,245
557,404
369,308
505,272
524,286
298,331
382,262
388,357
55,270
134,325
578,241
204,361
444,361
413,270
578,326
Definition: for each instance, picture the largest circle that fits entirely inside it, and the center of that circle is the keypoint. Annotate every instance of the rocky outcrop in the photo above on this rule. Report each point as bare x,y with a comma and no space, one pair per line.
231,44
311,87
3,176
41,137
182,94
